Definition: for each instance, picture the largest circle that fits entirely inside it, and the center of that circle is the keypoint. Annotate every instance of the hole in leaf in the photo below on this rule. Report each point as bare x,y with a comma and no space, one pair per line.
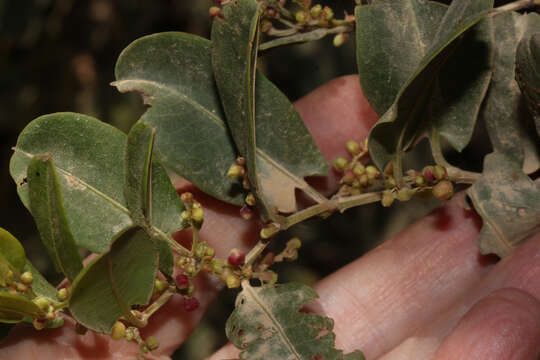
260,328
322,333
318,357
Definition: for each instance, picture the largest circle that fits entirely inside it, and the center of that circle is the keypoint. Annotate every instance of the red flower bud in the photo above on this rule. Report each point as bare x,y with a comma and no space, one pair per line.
182,281
236,258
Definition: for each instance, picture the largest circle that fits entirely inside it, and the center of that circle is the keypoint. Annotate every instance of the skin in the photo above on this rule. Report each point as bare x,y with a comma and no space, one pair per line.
425,294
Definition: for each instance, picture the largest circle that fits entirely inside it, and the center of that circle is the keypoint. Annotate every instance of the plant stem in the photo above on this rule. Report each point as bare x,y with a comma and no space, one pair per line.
195,241
297,37
173,244
254,253
516,5
156,305
357,200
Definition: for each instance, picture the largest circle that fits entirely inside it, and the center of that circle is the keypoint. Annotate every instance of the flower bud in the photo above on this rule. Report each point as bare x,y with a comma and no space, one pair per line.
63,294
387,198
187,197
27,277
266,26
359,170
339,39
372,172
190,304
443,190
328,13
22,288
160,285
210,252
420,181
246,213
236,258
364,180
197,215
316,11
250,199
118,330
389,183
439,172
235,171
182,281
41,302
348,178
428,174
217,266
214,11
352,147
300,17
39,324
340,163
241,161
232,281
152,343
404,194
200,250
57,322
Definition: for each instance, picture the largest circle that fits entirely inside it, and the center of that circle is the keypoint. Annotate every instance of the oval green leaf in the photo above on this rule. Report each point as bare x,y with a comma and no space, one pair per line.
14,308
112,283
528,73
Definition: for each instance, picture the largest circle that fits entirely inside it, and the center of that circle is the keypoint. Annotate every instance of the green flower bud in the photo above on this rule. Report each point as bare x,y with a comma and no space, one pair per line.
22,288
41,302
359,170
27,277
118,331
160,285
55,323
372,172
235,171
63,294
232,281
39,324
316,11
404,194
340,163
387,198
439,172
197,215
210,252
152,343
250,199
420,181
364,180
328,13
339,39
217,266
300,17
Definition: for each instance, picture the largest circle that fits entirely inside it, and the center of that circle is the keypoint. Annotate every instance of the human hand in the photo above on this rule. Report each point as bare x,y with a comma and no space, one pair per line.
424,294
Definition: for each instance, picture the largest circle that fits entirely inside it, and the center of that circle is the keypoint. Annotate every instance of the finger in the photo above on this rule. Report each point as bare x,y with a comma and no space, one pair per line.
520,270
381,298
503,325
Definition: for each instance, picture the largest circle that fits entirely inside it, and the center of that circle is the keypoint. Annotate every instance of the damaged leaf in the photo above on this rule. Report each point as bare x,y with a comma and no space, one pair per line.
509,203
267,324
265,126
528,73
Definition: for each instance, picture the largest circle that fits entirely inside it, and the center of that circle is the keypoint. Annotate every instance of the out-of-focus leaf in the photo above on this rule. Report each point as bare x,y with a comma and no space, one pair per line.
509,203
528,73
138,173
267,324
6,274
12,250
268,132
89,161
40,286
505,122
112,283
13,308
401,123
88,156
173,71
47,207
387,55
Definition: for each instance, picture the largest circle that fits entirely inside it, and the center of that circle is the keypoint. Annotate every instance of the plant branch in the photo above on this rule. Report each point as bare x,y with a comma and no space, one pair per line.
296,37
254,253
516,5
156,305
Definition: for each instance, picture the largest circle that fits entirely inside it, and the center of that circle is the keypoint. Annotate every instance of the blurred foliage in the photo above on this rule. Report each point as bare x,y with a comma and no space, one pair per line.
59,55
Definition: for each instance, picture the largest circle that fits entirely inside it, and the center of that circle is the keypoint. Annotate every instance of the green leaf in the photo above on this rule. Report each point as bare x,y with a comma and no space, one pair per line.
387,55
400,125
505,122
462,86
47,207
176,81
40,286
88,158
13,308
140,187
509,203
267,131
528,73
6,274
138,173
113,282
89,161
12,250
267,324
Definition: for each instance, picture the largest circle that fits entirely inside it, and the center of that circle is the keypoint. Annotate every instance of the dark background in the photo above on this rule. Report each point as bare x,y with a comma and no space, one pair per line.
59,55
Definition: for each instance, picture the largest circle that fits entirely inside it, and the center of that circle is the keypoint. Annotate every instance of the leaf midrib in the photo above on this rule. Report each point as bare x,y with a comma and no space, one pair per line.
276,323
